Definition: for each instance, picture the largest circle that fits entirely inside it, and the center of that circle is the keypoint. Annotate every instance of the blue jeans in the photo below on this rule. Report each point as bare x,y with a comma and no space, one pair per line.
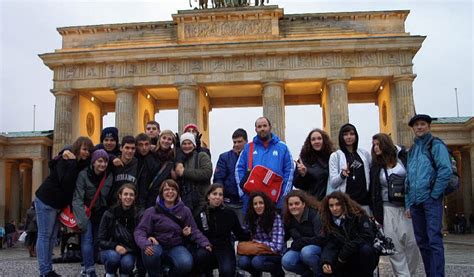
87,249
262,263
427,219
180,259
112,261
300,262
48,227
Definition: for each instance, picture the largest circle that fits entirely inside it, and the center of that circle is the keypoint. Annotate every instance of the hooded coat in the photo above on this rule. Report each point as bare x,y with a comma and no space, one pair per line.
337,161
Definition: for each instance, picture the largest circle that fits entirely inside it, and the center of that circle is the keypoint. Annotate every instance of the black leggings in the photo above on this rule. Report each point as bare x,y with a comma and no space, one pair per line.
361,264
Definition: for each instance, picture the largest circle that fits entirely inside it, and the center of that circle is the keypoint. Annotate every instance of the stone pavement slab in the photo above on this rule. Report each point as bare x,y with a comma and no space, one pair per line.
15,262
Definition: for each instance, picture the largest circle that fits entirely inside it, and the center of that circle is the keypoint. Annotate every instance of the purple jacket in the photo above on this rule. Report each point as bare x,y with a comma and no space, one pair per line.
165,230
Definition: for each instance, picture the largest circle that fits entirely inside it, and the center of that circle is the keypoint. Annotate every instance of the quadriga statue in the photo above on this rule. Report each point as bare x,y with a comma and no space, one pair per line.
203,4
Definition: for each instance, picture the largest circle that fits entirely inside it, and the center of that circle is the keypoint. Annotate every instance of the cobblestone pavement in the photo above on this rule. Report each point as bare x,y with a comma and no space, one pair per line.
458,250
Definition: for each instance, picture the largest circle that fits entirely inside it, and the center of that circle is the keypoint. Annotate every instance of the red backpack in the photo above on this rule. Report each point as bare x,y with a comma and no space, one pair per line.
261,178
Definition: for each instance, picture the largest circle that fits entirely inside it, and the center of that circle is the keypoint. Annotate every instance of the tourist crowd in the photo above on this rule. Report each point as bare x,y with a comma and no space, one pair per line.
147,205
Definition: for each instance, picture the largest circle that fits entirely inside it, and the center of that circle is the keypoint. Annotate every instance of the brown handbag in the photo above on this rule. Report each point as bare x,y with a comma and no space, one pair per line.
253,248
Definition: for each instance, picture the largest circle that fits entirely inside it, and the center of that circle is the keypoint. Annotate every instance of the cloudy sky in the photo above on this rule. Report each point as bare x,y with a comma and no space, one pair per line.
28,28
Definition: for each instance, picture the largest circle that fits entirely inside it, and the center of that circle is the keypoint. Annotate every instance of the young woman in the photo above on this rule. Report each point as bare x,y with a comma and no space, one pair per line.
194,174
312,170
266,227
88,219
303,225
388,159
164,230
164,155
349,236
55,194
217,223
116,242
349,167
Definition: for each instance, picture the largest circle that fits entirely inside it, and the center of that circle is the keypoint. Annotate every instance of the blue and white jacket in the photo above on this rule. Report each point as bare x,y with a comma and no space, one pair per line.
276,157
421,174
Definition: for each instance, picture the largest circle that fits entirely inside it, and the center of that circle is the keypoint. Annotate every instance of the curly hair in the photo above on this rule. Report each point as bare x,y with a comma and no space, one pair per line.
265,221
307,199
349,208
309,155
389,150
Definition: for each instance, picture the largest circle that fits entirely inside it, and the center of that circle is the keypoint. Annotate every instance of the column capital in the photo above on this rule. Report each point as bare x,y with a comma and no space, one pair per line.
124,89
337,81
273,83
62,92
404,77
191,86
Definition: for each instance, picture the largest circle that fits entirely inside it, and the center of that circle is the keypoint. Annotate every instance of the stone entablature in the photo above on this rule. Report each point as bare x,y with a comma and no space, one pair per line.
227,25
171,71
461,134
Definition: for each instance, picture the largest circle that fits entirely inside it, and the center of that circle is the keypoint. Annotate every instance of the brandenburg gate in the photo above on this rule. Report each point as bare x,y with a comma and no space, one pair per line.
234,57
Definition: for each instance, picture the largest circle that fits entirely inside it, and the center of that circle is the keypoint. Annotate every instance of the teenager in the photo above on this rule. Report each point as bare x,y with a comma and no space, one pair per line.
164,230
266,227
88,213
389,160
349,167
312,169
194,174
219,224
303,225
54,194
116,241
350,236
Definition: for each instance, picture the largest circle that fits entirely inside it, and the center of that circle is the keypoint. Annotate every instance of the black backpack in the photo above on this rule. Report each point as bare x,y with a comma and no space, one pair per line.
454,183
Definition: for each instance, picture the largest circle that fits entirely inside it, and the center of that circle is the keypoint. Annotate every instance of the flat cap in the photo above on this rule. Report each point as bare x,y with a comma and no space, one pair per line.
417,117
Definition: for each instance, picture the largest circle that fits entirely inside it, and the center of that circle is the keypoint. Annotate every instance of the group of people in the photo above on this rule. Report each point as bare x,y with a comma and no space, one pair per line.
147,205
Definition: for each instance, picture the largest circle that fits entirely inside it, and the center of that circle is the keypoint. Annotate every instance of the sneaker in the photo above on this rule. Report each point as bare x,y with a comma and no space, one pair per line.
51,274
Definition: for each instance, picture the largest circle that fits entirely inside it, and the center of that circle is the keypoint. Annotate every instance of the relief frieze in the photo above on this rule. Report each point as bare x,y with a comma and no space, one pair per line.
233,64
219,29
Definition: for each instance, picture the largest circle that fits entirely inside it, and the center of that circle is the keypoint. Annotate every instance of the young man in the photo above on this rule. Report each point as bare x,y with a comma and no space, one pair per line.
147,167
271,152
125,167
152,130
425,187
225,173
109,141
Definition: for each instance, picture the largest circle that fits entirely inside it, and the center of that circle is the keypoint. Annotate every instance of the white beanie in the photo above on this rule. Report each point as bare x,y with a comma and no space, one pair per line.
188,136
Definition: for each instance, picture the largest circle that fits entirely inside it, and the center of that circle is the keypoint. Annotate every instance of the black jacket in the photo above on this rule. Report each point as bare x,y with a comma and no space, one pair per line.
346,239
315,181
109,237
306,232
147,168
221,222
375,190
58,188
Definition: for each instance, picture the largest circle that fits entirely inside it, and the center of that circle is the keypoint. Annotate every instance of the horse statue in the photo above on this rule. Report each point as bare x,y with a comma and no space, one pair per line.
202,4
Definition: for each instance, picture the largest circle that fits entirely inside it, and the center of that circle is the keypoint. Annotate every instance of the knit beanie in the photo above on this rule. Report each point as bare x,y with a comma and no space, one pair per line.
190,125
188,136
99,153
109,132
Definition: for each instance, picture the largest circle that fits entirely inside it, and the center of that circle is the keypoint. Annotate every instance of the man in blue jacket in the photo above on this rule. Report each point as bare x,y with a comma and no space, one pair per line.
225,172
271,152
426,182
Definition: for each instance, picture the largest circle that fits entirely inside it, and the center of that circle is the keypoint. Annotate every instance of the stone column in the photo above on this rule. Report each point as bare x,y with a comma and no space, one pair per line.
466,171
273,100
62,120
125,111
404,108
37,175
337,109
187,105
3,187
14,196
